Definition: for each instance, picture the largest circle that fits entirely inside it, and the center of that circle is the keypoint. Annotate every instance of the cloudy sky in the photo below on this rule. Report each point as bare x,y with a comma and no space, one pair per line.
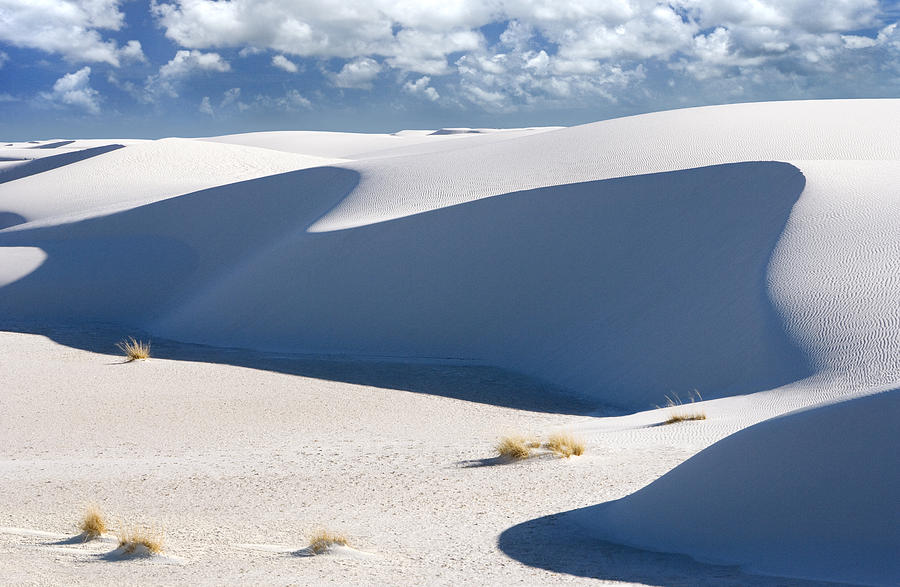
139,68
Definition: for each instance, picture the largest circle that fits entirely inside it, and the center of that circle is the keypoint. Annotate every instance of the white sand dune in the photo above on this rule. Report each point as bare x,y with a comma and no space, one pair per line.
809,494
153,171
365,146
748,252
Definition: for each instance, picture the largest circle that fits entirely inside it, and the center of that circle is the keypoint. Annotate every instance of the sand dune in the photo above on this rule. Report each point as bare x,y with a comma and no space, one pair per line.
366,146
807,494
746,252
153,171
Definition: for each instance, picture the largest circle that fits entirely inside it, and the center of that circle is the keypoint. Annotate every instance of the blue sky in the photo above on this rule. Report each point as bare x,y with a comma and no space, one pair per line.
133,68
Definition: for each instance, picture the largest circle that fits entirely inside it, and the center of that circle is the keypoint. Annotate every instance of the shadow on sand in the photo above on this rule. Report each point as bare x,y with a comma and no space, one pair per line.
54,161
557,544
625,289
474,383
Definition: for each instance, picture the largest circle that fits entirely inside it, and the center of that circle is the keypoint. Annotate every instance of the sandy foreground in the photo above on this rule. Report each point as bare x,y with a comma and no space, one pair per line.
238,465
360,318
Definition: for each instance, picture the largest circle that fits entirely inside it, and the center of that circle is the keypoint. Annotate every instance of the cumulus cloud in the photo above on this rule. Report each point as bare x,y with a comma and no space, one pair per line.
888,36
74,89
184,64
206,106
291,101
359,73
132,51
282,62
71,28
549,50
420,87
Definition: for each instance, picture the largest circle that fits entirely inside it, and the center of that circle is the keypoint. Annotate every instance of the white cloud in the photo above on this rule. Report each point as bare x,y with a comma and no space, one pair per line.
232,98
359,73
550,50
888,36
420,87
181,66
70,28
74,89
186,62
427,51
132,51
206,107
291,101
282,62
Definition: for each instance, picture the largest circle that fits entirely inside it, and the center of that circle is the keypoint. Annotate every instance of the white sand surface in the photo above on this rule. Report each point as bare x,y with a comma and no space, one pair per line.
373,145
237,465
152,171
410,297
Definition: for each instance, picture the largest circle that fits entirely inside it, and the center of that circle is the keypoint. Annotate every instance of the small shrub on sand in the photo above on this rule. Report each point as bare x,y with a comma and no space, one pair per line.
322,540
684,417
92,525
140,540
565,445
515,447
134,349
681,412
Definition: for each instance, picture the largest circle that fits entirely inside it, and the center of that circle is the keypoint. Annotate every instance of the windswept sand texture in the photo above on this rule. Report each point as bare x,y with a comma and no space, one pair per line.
409,298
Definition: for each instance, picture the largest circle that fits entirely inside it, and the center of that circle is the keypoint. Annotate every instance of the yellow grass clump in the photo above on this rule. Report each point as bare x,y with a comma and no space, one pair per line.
515,447
565,445
684,417
134,349
92,525
681,412
140,540
322,540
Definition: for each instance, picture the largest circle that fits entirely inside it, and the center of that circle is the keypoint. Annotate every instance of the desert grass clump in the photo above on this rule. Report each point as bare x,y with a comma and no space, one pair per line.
134,349
565,445
140,540
92,524
682,412
322,540
515,447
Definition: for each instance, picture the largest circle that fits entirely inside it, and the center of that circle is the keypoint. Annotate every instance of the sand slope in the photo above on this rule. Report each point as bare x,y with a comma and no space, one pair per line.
151,171
808,494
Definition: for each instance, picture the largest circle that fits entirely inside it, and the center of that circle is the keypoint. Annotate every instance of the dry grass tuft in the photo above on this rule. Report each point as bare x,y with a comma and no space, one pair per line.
140,540
515,447
685,417
92,525
681,412
134,349
565,445
322,540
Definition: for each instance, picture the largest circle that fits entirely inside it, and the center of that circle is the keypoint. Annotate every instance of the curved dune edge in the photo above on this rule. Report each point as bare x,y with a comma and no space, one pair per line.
637,286
625,277
805,495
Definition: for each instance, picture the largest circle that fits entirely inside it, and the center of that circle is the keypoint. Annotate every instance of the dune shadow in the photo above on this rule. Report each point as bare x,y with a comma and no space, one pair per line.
474,383
623,290
55,145
43,164
8,219
556,543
